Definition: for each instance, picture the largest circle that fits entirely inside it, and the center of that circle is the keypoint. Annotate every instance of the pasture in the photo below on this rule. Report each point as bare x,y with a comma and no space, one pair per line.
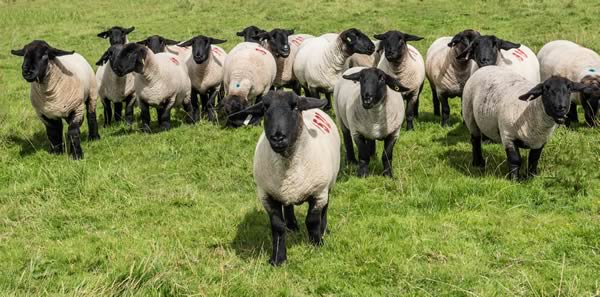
176,214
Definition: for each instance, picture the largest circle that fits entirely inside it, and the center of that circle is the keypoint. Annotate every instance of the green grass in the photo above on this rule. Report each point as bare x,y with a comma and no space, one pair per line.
175,213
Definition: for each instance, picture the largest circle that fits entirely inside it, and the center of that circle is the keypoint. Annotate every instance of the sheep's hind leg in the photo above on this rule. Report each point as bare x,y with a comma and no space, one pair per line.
514,161
279,252
313,222
435,99
324,219
164,116
478,160
290,218
74,136
348,145
145,116
54,130
209,105
107,112
189,113
92,123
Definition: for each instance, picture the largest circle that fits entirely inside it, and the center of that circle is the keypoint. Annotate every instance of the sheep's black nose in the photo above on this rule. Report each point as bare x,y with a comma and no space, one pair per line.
278,137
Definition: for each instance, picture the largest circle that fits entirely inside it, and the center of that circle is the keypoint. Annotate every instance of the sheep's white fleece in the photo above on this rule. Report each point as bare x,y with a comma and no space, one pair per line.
310,171
164,77
285,73
521,60
375,123
491,107
410,71
209,74
249,71
569,60
362,60
68,85
448,74
113,87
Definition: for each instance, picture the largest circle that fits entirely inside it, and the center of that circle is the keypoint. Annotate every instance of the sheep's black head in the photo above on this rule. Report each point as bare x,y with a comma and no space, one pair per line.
394,44
556,96
110,55
116,34
129,59
157,44
462,40
201,47
356,42
251,33
232,104
373,85
278,41
591,93
484,50
283,117
36,55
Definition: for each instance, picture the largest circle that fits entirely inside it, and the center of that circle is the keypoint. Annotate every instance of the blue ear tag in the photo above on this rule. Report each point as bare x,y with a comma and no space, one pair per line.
592,70
237,85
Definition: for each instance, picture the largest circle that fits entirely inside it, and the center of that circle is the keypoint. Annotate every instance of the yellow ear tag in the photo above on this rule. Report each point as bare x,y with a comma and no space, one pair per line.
397,89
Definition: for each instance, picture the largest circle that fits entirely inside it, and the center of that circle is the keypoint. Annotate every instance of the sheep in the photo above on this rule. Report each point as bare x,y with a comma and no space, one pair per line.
517,57
159,44
297,159
321,61
447,75
205,69
499,104
360,60
368,111
62,83
251,33
161,81
248,74
284,45
577,63
114,89
404,62
116,35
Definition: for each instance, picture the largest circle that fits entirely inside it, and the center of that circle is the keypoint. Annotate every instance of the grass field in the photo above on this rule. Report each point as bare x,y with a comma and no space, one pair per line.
175,213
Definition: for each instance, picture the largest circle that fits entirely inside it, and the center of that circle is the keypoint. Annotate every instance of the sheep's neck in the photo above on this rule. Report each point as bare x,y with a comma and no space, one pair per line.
52,85
336,56
540,116
151,71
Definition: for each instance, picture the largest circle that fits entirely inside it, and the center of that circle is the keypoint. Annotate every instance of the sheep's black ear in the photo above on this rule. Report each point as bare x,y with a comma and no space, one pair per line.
104,34
394,84
379,36
19,52
186,43
143,42
466,54
217,41
353,77
506,45
129,30
409,37
533,93
248,116
305,103
456,39
290,32
170,41
241,34
576,87
54,52
104,58
263,36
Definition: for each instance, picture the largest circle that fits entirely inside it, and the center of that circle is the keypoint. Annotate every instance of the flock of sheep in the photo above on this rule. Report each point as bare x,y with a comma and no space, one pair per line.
509,95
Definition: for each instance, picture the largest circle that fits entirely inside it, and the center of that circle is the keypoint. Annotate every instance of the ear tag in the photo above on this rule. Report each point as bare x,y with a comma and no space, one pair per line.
237,85
397,88
348,39
247,120
592,70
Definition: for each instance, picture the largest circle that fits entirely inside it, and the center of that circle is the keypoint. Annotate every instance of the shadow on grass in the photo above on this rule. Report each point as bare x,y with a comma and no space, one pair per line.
457,134
460,160
30,145
253,237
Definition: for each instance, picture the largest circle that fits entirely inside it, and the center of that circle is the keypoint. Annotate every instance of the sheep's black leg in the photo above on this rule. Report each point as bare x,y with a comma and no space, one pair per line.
372,147
328,96
388,153
165,118
54,130
364,154
145,116
118,111
279,254
313,223
258,99
295,86
349,145
189,113
417,100
478,160
590,109
92,122
307,92
129,103
532,163
74,136
410,110
436,101
107,111
324,219
445,110
514,161
572,116
210,105
290,218
195,105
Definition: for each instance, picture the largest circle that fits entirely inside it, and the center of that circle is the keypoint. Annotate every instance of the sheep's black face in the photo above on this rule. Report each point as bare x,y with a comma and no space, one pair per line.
110,55
232,104
373,85
251,33
484,50
116,34
394,44
278,41
201,47
356,42
35,59
129,59
591,93
157,44
556,96
463,39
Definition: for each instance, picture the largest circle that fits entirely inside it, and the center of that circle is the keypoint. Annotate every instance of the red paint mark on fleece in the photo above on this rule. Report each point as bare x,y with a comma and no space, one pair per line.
320,122
260,50
174,60
520,54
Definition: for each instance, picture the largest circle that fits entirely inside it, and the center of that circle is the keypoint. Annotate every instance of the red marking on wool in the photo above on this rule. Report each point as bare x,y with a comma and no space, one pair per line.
174,60
320,117
262,51
216,51
320,122
520,51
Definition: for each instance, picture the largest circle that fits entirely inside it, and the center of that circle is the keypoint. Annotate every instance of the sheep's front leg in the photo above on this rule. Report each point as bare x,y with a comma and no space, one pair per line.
514,161
210,105
313,222
572,115
411,107
364,154
279,252
532,163
74,136
478,160
165,117
195,105
388,153
54,130
145,116
129,103
445,110
349,145
290,218
328,96
324,219
107,112
91,121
